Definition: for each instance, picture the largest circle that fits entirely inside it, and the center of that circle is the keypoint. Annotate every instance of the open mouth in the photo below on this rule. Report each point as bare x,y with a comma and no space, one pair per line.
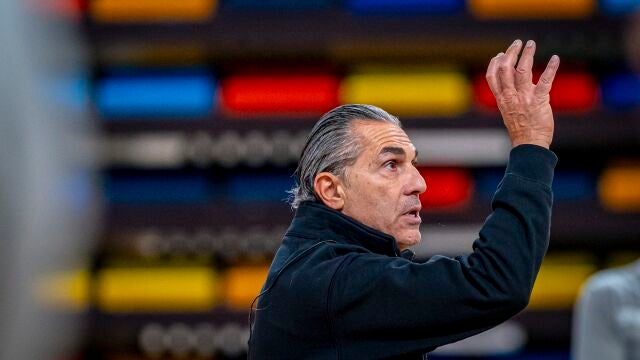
413,217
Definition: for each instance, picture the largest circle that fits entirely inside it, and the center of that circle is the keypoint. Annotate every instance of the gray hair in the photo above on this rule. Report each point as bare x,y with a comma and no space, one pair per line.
331,146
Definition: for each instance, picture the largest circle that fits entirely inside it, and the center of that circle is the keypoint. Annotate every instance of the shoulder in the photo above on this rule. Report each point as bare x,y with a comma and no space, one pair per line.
612,287
611,281
315,264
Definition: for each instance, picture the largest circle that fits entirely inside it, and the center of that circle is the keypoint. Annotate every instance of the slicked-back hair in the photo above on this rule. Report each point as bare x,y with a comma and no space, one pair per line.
332,146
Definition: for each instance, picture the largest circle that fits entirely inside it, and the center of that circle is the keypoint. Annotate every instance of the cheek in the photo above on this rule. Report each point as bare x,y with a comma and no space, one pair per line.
377,197
384,204
362,190
372,201
368,198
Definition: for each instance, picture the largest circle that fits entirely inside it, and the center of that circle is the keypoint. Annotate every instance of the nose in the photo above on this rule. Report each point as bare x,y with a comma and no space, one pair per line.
417,185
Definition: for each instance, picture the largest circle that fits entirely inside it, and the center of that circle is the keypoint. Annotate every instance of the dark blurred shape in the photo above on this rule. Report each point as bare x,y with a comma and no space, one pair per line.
632,40
278,4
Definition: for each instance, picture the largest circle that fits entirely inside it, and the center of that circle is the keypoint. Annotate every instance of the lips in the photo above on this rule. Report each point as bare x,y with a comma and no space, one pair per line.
413,214
413,210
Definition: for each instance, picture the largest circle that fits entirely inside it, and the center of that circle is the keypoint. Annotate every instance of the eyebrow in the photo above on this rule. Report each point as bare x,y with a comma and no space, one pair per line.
395,150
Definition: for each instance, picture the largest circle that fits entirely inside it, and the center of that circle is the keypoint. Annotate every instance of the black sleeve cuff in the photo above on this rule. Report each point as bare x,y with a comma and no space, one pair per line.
533,162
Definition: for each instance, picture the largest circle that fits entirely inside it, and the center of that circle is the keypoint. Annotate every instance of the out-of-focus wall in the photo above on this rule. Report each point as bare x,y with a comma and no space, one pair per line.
202,107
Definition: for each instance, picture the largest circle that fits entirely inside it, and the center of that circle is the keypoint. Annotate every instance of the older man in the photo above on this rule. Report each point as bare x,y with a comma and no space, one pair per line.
343,284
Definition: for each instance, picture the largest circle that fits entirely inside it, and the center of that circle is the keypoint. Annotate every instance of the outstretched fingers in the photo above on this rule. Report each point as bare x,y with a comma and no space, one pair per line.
546,79
525,64
492,75
506,66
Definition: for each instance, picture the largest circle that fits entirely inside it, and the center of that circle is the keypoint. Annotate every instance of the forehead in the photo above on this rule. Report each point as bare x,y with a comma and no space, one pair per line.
375,135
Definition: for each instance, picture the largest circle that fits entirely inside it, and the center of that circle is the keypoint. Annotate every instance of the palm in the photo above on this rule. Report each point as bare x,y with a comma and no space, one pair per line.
524,106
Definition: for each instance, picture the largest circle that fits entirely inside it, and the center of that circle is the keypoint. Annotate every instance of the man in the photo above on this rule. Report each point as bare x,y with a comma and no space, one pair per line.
343,285
606,317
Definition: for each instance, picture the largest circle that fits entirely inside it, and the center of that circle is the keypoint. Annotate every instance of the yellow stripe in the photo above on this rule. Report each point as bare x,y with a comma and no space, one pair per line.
65,290
410,93
532,8
243,284
559,282
151,10
619,190
157,289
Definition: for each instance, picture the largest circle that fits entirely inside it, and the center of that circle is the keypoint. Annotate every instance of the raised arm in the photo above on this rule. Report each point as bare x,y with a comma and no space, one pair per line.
397,307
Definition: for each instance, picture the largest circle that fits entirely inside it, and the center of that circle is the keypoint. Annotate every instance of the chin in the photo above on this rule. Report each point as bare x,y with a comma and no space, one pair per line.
408,240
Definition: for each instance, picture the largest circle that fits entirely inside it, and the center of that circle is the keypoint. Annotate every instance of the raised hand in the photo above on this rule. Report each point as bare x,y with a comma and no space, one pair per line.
524,106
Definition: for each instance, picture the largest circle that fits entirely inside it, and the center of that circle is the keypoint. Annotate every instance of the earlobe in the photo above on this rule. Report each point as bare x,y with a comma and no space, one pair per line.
328,189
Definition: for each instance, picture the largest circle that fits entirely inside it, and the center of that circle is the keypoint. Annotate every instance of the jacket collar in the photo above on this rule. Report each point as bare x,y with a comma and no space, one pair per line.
315,220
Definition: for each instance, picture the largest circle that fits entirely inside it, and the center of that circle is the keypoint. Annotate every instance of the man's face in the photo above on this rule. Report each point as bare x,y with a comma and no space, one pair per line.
383,185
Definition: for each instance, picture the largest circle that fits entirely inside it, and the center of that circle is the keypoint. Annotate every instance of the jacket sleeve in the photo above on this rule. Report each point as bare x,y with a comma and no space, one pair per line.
395,306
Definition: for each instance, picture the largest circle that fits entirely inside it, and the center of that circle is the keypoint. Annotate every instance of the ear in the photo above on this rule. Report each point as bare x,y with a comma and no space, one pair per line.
330,190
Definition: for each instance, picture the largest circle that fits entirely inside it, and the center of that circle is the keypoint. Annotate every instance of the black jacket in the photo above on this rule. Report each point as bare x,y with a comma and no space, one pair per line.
338,289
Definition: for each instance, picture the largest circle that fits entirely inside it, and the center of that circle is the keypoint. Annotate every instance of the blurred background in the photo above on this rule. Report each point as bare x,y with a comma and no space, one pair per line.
147,147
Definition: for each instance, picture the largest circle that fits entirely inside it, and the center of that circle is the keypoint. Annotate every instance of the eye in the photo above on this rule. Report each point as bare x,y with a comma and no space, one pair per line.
391,165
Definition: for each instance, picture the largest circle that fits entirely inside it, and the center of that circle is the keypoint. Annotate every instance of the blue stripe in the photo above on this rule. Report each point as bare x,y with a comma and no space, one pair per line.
157,189
406,6
619,7
259,188
567,185
156,96
621,91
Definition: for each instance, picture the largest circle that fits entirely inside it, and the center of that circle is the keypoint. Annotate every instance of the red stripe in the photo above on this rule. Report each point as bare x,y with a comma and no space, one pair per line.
447,188
279,94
